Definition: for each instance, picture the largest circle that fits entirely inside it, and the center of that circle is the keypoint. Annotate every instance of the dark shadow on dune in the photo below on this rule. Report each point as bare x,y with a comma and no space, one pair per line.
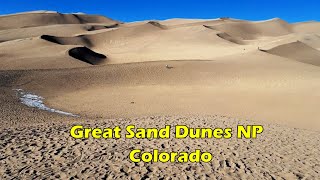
157,24
226,36
77,40
82,40
81,21
209,27
297,51
225,18
229,38
94,28
49,38
112,26
97,27
87,55
262,50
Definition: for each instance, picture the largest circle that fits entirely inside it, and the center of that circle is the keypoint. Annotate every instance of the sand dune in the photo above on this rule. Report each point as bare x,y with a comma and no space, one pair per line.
312,40
297,51
307,27
77,40
253,30
147,41
53,30
176,23
36,53
201,72
44,19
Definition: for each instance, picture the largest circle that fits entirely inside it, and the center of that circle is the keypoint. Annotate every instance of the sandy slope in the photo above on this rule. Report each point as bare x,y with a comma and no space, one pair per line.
283,92
302,53
99,68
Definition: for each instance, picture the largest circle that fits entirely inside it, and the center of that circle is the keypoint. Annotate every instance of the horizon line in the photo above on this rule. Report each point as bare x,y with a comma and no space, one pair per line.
164,19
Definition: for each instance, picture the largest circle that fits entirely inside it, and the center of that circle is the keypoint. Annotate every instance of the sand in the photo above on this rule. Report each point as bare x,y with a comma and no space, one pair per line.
287,153
202,73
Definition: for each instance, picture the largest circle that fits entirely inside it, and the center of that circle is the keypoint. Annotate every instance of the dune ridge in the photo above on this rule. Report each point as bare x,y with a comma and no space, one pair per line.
174,39
43,19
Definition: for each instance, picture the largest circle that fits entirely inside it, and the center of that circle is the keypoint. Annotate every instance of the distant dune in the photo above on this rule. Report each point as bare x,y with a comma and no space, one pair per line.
175,39
34,19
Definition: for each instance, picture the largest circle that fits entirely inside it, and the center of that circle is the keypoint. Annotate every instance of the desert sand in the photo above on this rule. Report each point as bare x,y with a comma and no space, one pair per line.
199,72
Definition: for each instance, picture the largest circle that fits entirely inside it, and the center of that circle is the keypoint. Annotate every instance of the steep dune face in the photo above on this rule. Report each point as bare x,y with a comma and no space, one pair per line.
297,51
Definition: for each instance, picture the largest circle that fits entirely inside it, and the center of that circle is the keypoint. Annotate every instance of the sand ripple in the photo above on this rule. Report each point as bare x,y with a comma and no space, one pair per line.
48,151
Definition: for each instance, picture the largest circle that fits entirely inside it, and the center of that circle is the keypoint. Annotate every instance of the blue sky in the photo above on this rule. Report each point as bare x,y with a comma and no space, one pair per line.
135,10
